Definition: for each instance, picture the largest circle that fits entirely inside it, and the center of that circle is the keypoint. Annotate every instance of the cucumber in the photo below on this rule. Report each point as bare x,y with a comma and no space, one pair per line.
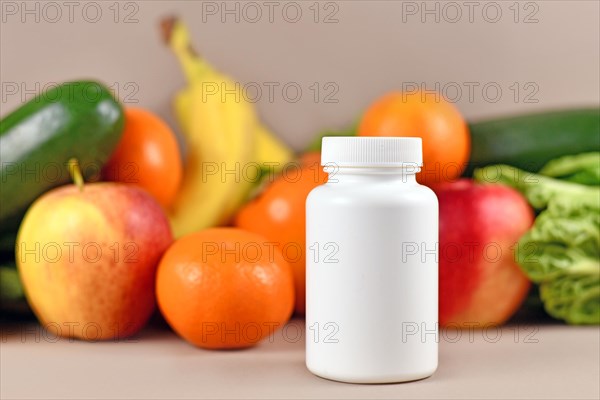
530,141
78,119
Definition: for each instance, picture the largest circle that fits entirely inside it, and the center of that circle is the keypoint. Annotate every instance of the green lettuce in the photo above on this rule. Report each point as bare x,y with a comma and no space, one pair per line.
581,168
561,252
538,189
574,296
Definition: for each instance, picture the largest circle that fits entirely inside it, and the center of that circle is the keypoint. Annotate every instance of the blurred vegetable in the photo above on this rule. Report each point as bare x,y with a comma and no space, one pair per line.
530,141
573,296
76,119
10,285
147,155
446,140
7,243
562,250
582,168
563,239
12,296
538,189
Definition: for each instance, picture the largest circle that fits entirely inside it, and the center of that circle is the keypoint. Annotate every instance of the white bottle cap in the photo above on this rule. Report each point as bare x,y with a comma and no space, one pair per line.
351,151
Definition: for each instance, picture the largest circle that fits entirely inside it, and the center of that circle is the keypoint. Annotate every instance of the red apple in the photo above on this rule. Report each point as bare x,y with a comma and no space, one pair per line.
88,258
480,281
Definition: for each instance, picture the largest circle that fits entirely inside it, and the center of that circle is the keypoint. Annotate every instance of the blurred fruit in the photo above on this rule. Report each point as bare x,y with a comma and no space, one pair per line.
446,141
226,143
311,159
147,155
279,214
480,225
224,288
87,256
268,149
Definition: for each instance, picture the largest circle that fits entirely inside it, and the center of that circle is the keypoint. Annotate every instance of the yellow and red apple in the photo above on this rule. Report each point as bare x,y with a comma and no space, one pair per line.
87,257
480,281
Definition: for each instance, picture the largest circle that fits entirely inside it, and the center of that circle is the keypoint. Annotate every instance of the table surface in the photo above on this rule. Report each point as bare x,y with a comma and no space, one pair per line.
517,361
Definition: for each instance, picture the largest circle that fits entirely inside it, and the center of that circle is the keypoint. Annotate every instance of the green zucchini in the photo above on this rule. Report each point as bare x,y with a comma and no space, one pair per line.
530,141
78,119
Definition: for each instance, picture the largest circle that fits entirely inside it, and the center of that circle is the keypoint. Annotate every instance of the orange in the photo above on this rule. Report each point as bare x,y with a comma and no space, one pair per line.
148,156
279,214
446,139
311,159
224,288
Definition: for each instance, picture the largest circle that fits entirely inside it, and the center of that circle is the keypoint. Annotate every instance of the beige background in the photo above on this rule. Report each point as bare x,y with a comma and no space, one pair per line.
374,47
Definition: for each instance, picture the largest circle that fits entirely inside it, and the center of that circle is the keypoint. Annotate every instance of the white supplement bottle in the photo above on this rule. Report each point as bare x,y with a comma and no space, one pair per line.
372,264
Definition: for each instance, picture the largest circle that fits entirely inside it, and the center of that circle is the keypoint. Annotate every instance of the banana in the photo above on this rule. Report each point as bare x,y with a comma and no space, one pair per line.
269,149
223,137
219,139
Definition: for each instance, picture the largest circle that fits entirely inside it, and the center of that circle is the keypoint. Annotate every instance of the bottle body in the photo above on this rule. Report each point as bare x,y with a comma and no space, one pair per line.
372,277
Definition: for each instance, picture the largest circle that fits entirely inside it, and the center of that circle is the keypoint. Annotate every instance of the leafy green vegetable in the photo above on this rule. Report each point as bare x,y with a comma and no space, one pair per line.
574,296
539,190
562,250
582,168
